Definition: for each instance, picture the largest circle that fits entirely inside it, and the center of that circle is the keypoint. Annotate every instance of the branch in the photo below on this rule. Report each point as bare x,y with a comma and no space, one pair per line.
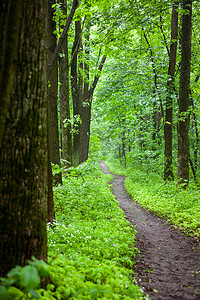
65,30
96,78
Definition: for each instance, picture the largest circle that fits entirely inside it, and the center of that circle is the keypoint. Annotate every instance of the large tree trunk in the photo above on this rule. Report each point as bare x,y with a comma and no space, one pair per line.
64,98
10,14
168,172
23,155
184,89
53,132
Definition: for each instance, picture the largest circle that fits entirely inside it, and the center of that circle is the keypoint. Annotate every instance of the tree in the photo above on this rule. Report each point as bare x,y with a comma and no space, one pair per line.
10,14
86,106
53,133
23,155
75,88
64,97
168,125
184,94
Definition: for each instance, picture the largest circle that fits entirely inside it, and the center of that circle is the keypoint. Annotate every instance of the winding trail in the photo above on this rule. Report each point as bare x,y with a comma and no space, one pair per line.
169,262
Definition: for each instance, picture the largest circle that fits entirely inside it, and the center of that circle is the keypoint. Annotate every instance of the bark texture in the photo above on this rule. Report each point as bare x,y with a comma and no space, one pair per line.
10,14
23,155
184,91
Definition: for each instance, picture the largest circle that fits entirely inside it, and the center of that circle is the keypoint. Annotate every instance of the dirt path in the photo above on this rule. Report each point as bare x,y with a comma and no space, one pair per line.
169,263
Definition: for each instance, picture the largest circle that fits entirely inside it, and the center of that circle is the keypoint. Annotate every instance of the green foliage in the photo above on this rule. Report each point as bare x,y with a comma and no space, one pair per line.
91,244
22,282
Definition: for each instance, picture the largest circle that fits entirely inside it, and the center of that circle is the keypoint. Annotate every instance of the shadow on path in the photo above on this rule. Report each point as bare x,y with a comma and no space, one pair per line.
169,262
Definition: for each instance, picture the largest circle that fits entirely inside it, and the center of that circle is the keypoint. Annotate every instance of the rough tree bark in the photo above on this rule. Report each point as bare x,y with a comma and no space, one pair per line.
168,126
184,91
10,14
23,155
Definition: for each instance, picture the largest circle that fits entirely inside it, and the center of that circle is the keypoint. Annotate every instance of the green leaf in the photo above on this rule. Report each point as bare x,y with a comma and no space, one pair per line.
15,293
29,277
42,267
3,293
14,272
34,294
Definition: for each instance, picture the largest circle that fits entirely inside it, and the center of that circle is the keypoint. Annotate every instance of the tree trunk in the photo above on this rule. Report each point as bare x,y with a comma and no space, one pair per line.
86,103
168,172
85,131
23,155
53,132
10,14
184,89
50,202
75,95
64,98
124,147
86,111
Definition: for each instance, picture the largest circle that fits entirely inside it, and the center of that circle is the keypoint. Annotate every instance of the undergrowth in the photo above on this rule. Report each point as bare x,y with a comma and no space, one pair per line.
180,206
91,245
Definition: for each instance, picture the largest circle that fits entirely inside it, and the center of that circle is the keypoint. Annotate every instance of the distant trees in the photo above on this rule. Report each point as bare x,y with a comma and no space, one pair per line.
23,153
158,98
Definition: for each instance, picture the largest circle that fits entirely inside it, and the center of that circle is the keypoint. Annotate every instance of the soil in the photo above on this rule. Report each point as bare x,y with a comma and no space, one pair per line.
168,266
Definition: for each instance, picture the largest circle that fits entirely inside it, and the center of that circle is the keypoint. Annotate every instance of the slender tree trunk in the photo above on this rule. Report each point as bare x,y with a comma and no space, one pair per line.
195,147
124,147
64,98
50,202
86,112
156,110
184,89
85,105
168,172
54,57
53,132
23,155
75,94
85,130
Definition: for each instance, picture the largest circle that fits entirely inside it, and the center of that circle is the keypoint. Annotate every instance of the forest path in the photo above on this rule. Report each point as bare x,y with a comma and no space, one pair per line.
169,262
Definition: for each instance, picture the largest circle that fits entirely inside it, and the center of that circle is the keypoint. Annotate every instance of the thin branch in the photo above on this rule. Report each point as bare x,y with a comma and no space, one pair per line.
96,79
65,30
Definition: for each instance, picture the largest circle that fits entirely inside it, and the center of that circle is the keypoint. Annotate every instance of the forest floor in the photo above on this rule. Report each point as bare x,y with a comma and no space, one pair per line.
168,266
